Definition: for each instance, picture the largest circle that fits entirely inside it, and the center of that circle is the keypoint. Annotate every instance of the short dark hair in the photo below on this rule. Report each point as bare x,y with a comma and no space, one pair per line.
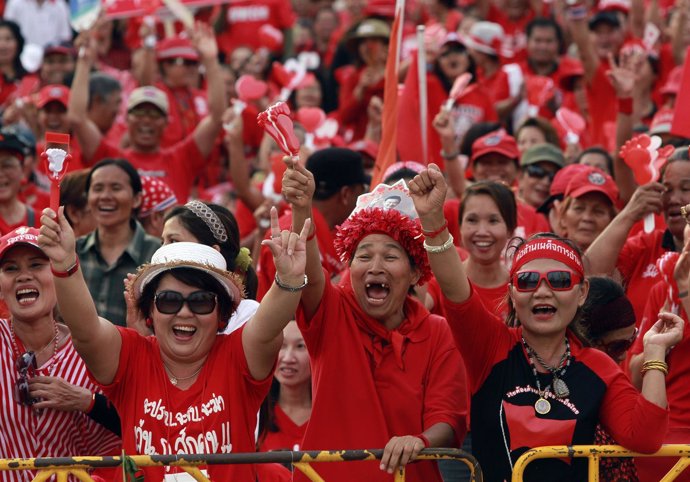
501,194
73,191
101,85
597,150
134,178
550,134
197,279
545,22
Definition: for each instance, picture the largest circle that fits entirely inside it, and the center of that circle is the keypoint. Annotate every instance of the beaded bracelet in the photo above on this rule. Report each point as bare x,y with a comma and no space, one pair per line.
439,249
655,365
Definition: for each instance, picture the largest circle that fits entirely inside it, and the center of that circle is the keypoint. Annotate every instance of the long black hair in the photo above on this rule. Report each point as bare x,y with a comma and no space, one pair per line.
16,32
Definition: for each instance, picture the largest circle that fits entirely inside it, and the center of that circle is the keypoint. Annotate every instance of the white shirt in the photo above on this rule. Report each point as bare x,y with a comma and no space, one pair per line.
40,24
245,310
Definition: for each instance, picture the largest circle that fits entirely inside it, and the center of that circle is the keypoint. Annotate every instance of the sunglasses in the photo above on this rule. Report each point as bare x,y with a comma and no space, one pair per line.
23,364
181,61
199,302
557,280
616,348
538,172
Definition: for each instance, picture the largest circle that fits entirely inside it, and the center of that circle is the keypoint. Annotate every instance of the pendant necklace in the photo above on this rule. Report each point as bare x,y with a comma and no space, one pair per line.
542,406
175,380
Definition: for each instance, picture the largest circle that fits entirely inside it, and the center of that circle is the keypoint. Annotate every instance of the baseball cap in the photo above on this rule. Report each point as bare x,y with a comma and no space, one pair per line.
11,142
64,48
334,168
661,122
53,93
23,235
148,95
609,17
156,196
559,184
497,142
542,153
592,180
176,48
485,37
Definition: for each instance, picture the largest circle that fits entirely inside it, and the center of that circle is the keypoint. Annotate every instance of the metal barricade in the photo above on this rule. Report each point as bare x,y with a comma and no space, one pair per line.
62,467
594,453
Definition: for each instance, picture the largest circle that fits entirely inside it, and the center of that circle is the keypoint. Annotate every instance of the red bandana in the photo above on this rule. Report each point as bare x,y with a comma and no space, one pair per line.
547,248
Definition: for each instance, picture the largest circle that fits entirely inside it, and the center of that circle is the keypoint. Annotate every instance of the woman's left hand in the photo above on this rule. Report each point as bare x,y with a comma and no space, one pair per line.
400,451
665,333
289,250
58,394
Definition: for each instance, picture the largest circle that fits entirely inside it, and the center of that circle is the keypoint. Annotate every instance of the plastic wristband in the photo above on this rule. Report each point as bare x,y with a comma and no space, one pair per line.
423,438
625,106
91,404
433,234
65,274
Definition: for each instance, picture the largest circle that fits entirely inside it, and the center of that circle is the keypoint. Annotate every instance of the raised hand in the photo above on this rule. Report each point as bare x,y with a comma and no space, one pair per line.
57,239
289,251
646,199
298,187
666,332
622,78
428,191
204,41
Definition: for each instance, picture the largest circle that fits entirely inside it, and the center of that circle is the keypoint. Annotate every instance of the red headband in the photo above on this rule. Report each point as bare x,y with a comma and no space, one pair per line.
550,249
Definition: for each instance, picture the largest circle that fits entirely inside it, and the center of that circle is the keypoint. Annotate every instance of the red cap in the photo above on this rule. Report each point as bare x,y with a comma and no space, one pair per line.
563,177
156,196
661,122
22,235
53,93
381,8
497,142
614,6
672,85
592,180
176,48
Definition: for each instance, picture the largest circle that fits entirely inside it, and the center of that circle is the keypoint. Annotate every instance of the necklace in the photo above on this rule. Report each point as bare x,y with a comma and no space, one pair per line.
174,380
53,341
542,406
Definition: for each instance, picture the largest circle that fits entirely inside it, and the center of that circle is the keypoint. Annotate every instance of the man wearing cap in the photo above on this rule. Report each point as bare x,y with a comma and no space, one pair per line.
41,21
58,63
551,206
178,63
538,166
147,119
340,178
13,212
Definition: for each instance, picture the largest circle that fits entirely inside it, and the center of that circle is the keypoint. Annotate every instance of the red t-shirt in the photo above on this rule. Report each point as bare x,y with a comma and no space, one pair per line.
677,386
504,392
178,165
289,435
369,387
497,85
637,264
245,17
31,219
217,414
187,108
602,107
352,112
32,196
515,38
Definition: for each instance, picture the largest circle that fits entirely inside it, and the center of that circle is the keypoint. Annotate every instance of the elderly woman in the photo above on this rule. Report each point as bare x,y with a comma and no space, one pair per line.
534,383
200,392
369,339
47,399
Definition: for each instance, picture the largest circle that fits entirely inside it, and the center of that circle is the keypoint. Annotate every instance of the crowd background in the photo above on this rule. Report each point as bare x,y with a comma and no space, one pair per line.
532,106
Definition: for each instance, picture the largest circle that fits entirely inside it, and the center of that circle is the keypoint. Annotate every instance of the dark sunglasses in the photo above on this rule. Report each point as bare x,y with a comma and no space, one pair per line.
557,280
24,363
199,302
616,348
181,61
538,172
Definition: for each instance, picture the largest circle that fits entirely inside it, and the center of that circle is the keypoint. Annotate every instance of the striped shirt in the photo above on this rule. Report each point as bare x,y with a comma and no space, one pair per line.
28,433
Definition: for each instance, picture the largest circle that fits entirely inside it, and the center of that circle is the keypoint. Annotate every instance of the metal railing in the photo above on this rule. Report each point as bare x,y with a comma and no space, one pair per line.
79,467
594,453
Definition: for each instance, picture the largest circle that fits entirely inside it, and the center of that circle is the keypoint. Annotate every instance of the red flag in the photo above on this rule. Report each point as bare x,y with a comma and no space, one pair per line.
681,117
387,148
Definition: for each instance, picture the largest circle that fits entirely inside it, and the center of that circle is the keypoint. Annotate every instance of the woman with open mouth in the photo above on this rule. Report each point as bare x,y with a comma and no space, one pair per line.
385,372
186,390
532,381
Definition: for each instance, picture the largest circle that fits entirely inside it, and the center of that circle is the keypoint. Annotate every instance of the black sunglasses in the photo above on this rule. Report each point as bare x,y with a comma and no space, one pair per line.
24,363
616,348
199,302
557,280
538,172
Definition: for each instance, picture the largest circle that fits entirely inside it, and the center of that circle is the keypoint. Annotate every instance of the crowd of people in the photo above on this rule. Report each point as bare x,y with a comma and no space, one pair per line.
518,278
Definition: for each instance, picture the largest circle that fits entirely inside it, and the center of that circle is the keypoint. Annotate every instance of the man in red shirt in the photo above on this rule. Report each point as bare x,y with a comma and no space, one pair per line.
147,118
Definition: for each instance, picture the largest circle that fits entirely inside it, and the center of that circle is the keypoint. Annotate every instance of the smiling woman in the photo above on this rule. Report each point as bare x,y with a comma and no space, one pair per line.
534,383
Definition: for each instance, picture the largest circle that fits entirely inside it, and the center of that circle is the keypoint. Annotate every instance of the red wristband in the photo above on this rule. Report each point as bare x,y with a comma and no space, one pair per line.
65,274
424,439
625,105
433,234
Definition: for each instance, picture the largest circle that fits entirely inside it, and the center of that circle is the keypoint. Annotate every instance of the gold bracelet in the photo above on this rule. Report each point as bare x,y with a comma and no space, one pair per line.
655,365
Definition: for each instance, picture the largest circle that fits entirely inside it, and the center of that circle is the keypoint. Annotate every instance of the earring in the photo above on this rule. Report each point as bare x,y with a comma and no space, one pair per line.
149,322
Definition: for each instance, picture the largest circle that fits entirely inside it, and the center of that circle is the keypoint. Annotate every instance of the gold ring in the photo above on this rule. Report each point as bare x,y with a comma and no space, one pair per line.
684,212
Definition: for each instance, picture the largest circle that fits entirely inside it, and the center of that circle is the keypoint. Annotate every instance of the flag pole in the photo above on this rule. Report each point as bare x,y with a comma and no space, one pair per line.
423,98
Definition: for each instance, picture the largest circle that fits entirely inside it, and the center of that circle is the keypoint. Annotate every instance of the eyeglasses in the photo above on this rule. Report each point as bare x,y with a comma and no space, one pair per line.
199,302
616,348
23,364
538,172
557,280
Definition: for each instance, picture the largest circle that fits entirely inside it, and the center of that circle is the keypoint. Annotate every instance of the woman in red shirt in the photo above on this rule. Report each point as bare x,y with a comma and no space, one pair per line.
532,381
11,70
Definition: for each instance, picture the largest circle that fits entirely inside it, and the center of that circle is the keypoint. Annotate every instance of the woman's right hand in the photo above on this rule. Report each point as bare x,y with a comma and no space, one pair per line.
646,199
428,191
57,239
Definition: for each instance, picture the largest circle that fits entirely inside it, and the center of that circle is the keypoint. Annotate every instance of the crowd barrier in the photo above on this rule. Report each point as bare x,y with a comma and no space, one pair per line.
596,452
78,467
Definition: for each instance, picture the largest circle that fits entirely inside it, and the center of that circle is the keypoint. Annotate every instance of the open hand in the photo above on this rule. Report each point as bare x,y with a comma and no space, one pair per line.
666,332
